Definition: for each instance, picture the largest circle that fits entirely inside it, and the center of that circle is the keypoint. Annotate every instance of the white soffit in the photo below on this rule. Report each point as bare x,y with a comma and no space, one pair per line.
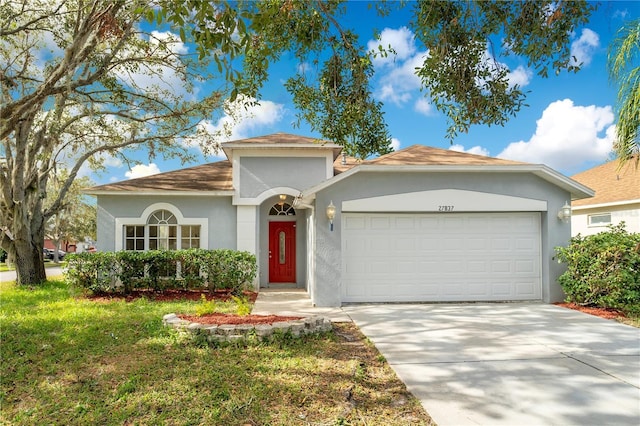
444,200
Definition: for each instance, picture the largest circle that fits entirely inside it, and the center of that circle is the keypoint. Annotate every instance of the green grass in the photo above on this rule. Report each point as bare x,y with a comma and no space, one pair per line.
73,361
47,264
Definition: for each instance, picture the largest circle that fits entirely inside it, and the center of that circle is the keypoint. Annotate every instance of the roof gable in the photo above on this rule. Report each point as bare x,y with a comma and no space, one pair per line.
611,185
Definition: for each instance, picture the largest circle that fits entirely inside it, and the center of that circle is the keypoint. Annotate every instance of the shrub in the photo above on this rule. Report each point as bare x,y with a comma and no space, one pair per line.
93,271
206,307
243,307
230,269
602,269
158,270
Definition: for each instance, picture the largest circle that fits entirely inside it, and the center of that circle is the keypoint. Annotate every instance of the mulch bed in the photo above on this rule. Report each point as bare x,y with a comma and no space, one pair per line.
599,312
232,319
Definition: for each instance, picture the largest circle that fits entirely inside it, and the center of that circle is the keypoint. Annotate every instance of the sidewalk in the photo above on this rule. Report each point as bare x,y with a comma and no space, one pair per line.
293,302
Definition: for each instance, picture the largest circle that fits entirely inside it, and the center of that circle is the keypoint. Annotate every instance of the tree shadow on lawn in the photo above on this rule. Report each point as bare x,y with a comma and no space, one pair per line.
73,361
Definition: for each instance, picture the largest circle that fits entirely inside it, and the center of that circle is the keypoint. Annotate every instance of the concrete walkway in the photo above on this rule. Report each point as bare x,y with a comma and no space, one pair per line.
497,363
293,302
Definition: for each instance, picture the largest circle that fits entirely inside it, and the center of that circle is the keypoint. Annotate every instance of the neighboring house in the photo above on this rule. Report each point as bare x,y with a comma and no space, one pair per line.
617,198
419,224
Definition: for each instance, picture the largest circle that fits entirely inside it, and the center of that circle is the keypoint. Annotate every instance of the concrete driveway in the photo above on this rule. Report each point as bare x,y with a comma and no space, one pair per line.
509,364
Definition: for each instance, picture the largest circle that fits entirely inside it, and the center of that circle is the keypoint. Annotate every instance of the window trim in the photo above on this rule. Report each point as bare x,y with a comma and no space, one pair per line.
121,222
595,225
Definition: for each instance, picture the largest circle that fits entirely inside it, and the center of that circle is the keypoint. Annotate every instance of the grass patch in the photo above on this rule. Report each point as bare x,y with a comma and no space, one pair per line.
632,316
47,264
73,361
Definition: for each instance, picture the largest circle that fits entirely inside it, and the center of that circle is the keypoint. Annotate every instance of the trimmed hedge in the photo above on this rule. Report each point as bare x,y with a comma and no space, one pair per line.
125,271
603,269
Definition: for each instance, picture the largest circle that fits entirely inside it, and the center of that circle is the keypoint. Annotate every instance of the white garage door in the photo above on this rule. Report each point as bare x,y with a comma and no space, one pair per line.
440,257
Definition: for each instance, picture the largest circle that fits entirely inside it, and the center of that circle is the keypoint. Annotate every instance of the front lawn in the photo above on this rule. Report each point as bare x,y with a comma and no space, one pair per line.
68,360
47,264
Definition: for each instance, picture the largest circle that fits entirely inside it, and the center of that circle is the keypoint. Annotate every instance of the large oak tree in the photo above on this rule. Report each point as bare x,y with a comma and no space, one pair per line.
82,81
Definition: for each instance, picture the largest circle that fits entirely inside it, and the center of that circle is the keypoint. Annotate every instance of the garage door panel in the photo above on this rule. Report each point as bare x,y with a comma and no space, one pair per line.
442,257
354,223
525,267
500,267
378,223
408,244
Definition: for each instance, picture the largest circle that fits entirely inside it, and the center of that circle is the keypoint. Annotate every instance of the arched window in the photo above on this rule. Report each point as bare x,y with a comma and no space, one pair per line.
161,232
282,209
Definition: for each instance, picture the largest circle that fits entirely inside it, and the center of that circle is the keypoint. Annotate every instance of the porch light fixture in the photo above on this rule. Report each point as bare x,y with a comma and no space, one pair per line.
283,197
331,214
565,213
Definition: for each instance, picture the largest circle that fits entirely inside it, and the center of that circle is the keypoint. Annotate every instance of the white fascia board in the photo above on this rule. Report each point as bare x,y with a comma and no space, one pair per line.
163,193
602,205
577,190
444,200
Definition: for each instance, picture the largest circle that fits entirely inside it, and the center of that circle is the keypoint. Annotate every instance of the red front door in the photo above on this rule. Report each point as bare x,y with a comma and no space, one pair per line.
282,252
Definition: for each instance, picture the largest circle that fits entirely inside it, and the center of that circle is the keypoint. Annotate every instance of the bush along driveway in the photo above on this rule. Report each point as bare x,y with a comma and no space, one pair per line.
507,364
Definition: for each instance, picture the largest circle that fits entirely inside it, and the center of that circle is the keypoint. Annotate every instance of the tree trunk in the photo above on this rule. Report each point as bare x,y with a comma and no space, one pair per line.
28,241
29,263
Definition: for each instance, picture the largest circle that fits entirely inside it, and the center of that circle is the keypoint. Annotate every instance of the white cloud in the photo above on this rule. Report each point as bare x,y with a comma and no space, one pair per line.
567,136
106,160
477,150
424,107
240,119
402,41
303,67
583,48
520,76
400,81
152,77
395,144
141,170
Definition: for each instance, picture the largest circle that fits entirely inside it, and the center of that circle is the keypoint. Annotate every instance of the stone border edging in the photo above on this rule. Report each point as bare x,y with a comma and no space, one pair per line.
241,332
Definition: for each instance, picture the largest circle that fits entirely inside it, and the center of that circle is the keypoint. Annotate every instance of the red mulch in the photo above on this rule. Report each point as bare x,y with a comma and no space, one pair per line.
173,295
599,312
220,319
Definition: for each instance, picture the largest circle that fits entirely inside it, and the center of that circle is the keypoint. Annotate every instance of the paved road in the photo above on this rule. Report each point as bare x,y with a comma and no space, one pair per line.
11,275
509,364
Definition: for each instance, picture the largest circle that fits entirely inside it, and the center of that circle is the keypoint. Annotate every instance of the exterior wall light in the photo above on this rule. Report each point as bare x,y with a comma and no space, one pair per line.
565,213
331,214
283,197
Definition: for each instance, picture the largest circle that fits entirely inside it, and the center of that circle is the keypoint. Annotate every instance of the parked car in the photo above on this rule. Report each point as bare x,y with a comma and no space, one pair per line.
48,254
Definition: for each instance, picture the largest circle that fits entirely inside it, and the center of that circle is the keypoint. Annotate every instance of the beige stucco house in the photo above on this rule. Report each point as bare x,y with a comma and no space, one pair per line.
617,198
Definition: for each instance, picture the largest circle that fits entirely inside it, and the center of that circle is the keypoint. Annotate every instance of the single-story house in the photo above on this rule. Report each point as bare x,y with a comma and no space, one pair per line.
617,198
419,224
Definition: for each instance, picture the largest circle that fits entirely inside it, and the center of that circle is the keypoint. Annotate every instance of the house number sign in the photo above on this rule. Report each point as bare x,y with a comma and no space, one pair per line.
445,208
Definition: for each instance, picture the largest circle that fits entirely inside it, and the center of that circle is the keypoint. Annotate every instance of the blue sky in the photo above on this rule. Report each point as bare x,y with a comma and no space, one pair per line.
568,125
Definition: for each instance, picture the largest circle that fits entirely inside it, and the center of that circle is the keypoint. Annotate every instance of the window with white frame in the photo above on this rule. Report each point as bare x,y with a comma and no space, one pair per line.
282,209
602,219
161,232
134,237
